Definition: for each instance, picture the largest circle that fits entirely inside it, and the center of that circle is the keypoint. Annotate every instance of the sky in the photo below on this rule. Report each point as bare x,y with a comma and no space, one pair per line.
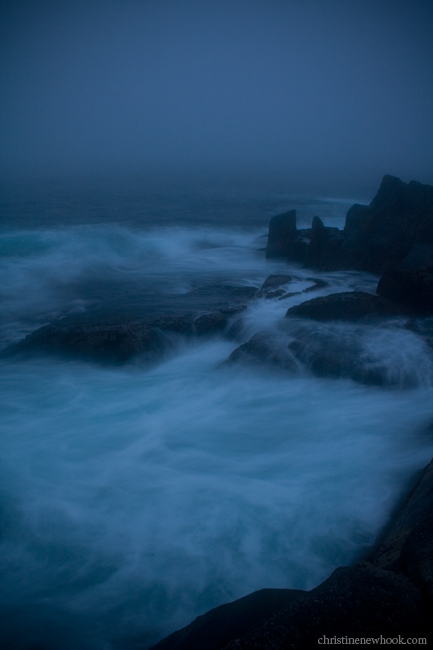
312,88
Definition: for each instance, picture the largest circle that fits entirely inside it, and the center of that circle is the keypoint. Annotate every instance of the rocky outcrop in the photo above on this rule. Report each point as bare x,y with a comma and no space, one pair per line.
217,627
407,544
116,339
348,305
375,237
101,342
282,235
413,288
388,596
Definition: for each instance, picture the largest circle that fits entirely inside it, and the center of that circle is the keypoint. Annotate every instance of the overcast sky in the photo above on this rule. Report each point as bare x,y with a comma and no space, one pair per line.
317,86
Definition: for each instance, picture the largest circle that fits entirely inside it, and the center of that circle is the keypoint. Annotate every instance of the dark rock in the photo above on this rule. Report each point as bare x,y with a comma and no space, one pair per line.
275,294
275,281
210,323
338,354
407,544
102,342
420,258
282,234
408,287
358,601
350,305
289,294
178,324
375,237
314,250
263,348
218,297
218,626
318,284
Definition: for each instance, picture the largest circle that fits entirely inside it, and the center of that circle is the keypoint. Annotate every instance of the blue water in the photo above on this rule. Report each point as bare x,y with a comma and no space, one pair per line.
136,498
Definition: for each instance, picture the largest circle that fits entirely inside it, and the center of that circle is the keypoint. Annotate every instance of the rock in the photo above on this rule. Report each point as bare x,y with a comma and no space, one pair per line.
375,237
112,343
349,305
178,324
282,234
407,544
420,258
318,284
337,354
262,348
115,339
314,250
412,288
275,294
218,626
210,323
274,282
359,601
217,297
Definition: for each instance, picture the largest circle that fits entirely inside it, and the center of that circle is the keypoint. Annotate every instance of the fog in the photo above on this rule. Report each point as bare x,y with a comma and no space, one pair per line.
306,90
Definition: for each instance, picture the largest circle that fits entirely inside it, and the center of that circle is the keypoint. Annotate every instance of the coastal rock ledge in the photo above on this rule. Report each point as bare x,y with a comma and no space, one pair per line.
389,594
392,237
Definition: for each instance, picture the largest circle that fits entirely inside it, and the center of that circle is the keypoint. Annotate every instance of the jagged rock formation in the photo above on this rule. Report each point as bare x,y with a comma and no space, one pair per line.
375,237
392,236
348,305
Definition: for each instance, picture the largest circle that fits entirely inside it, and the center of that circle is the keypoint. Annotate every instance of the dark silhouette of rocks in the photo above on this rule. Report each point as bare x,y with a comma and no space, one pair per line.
102,342
407,544
282,236
348,305
408,287
388,595
218,626
210,323
274,282
375,237
391,236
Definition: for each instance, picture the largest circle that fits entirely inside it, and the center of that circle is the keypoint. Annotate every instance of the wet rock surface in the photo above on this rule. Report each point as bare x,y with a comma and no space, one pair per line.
218,626
348,305
116,339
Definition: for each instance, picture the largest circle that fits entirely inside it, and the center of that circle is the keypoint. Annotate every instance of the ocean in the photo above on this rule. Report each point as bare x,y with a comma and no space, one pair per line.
137,497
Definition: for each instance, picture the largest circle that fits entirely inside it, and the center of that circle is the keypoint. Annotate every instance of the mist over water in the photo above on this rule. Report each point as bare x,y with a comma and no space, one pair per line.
136,498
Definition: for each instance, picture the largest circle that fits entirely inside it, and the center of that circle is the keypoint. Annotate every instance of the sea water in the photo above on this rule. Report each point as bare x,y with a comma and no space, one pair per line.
135,498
